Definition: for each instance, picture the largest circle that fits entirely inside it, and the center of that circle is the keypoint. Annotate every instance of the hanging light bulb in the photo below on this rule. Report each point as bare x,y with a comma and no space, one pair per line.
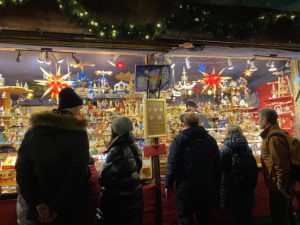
170,62
230,66
19,57
113,60
268,64
47,59
42,57
288,63
77,61
190,92
57,58
187,63
252,67
272,66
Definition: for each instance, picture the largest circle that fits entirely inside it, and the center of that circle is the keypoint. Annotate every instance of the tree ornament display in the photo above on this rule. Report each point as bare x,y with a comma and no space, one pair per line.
213,81
55,83
82,78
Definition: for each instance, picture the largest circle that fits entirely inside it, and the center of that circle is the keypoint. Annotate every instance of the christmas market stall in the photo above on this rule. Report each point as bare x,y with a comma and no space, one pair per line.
151,88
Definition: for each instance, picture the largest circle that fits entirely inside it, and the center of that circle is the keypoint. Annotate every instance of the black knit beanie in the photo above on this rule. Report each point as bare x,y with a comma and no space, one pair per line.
192,104
68,99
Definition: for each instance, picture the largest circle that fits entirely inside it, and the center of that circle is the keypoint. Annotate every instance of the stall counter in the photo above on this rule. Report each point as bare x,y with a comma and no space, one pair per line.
8,207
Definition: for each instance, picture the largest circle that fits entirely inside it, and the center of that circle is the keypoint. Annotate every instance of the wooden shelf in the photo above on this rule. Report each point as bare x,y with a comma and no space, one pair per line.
11,116
237,109
15,90
240,88
284,98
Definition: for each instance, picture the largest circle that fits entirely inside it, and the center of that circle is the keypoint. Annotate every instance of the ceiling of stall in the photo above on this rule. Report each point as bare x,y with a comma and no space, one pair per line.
209,56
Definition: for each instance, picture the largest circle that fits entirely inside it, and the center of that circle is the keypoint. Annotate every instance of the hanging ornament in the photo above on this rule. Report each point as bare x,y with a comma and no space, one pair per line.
55,83
81,65
81,79
213,81
184,86
201,68
247,73
120,65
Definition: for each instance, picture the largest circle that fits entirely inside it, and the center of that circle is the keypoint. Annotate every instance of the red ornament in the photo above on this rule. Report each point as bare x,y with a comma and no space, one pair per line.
213,80
120,65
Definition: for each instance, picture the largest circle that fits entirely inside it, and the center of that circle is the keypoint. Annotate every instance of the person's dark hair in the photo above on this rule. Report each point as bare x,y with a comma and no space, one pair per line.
181,118
191,119
191,103
269,114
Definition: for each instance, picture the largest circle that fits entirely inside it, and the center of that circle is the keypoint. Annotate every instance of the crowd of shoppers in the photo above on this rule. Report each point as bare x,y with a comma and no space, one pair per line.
58,183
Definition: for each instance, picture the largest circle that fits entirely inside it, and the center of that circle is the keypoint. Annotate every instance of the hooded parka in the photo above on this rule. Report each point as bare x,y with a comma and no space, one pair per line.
52,166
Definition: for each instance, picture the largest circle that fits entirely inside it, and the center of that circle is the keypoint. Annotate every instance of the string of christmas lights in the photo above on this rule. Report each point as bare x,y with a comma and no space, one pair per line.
183,16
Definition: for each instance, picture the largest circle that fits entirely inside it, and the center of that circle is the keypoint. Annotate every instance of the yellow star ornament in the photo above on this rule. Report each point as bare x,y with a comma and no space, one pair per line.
55,83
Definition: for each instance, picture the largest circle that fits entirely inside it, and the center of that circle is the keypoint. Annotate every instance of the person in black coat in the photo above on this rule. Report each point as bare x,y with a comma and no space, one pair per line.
239,176
52,164
121,195
194,163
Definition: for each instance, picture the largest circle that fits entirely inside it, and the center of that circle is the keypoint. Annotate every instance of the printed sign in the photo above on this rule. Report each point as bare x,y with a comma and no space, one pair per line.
157,75
155,118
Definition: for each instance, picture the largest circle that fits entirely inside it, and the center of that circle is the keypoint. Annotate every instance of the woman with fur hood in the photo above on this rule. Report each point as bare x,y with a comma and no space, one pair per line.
52,165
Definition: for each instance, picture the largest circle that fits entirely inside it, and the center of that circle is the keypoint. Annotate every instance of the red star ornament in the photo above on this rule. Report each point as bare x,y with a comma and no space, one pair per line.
55,83
213,81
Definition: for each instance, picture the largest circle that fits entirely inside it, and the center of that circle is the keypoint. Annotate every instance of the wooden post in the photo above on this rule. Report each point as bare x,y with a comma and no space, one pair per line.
155,161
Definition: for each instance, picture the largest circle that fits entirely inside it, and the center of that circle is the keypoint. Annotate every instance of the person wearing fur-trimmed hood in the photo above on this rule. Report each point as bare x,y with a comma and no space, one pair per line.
52,165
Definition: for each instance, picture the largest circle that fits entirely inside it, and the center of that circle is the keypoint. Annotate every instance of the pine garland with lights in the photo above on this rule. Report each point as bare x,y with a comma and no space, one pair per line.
77,12
4,3
184,15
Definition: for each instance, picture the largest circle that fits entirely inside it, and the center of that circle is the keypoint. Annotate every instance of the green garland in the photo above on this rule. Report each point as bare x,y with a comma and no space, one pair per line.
184,16
4,3
77,12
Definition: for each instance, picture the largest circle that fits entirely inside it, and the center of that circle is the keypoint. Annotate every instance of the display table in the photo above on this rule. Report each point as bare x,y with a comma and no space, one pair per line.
8,207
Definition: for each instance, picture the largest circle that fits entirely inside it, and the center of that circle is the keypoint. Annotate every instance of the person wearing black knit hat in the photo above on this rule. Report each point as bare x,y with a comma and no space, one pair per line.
52,164
191,107
69,101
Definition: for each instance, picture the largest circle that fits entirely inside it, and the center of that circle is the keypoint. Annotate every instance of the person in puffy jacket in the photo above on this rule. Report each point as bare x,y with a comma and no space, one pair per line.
121,195
52,164
194,163
239,176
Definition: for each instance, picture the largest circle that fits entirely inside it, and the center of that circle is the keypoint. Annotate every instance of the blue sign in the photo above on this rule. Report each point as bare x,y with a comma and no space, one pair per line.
157,75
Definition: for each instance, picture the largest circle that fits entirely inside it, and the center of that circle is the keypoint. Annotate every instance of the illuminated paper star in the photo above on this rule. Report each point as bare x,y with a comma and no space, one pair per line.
247,73
55,83
213,81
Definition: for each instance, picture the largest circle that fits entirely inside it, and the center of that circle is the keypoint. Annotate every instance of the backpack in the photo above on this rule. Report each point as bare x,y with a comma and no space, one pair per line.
294,150
244,171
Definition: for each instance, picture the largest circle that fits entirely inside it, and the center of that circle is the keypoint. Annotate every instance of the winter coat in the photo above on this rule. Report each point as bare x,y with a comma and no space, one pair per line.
275,160
52,166
232,194
121,196
193,161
